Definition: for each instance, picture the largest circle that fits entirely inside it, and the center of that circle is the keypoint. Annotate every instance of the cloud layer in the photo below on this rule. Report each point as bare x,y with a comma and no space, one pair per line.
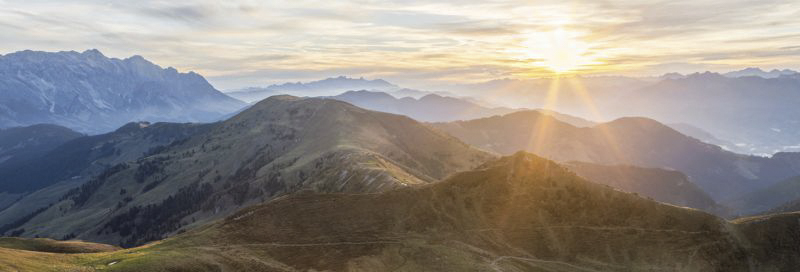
415,43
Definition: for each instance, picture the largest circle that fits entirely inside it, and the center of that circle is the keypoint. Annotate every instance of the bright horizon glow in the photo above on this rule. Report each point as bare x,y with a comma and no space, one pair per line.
558,50
418,44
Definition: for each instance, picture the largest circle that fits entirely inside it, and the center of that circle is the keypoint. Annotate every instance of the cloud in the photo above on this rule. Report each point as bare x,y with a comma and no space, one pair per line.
185,13
246,42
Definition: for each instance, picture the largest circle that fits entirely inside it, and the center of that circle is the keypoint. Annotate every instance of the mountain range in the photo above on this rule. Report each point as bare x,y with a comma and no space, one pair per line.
632,141
325,87
281,145
568,94
749,111
92,93
125,166
428,108
437,108
758,115
757,72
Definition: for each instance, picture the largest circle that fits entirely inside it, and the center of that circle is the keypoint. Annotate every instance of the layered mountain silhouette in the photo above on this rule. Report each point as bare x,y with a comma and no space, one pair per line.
325,87
281,145
569,94
749,111
437,108
428,108
633,141
92,93
755,114
757,72
519,213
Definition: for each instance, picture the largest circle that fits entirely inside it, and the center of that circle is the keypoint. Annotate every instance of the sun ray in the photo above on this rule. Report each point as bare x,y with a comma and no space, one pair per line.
541,129
586,98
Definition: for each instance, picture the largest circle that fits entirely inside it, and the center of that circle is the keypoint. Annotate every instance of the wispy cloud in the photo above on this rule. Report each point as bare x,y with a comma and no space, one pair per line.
242,43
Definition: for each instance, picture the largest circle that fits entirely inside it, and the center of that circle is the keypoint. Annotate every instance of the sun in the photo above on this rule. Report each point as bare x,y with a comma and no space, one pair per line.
558,50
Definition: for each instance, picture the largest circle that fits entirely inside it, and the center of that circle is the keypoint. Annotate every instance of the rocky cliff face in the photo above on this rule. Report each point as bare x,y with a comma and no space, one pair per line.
92,93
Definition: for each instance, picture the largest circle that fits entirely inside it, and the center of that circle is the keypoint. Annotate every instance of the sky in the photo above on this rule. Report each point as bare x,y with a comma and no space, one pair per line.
237,44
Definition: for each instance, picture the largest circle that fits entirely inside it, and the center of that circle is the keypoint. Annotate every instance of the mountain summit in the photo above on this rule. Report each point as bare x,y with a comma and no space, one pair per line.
92,93
281,145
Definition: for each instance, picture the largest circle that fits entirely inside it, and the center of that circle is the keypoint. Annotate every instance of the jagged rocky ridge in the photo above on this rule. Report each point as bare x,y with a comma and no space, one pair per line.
92,93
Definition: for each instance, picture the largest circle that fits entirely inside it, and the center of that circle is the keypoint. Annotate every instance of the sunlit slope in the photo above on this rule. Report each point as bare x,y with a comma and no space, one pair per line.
281,145
634,141
519,213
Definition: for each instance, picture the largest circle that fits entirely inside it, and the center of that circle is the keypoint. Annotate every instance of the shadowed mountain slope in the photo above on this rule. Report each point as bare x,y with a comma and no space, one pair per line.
779,197
89,155
20,144
661,185
43,180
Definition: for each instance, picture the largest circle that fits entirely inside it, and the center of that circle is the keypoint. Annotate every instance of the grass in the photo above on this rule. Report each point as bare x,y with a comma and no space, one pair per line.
54,246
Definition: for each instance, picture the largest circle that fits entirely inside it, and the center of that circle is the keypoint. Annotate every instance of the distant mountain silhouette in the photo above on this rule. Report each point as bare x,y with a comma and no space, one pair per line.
428,108
702,135
254,94
570,95
633,141
436,108
325,87
757,72
92,93
755,114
